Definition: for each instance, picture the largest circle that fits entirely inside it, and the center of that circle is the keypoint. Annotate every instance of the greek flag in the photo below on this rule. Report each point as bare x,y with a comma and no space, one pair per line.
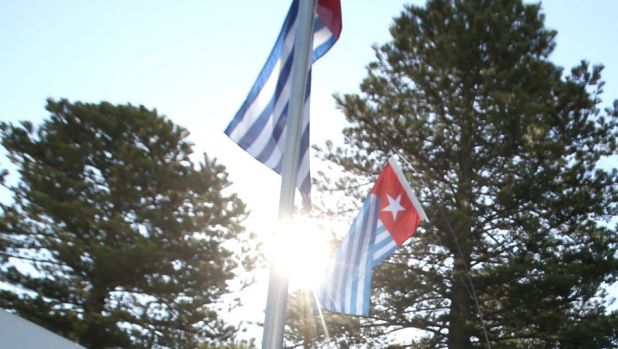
259,126
390,215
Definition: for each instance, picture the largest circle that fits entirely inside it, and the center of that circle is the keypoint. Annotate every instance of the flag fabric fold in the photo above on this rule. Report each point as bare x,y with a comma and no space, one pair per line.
389,216
259,126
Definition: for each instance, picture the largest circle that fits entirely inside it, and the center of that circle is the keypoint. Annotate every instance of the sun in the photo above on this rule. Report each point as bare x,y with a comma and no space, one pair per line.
301,251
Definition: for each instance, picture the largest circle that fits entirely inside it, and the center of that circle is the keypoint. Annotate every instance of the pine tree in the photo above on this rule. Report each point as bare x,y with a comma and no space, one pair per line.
505,148
116,238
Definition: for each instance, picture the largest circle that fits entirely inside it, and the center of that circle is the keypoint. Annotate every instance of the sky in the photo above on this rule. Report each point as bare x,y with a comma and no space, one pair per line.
195,60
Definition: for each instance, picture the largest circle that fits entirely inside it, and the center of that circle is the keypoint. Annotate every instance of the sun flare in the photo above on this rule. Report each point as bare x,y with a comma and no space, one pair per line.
301,251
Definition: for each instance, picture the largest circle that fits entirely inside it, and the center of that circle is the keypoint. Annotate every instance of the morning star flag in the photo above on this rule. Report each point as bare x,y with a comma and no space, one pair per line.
259,125
390,215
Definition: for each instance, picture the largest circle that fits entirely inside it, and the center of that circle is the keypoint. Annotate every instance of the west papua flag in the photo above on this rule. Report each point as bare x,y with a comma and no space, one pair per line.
259,126
390,215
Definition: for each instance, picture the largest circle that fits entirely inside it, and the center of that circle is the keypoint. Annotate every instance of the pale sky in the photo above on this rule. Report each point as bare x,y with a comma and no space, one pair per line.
195,60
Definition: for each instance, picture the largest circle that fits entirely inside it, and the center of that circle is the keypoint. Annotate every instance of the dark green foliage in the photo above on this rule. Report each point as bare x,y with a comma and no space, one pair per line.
238,345
505,148
118,236
303,326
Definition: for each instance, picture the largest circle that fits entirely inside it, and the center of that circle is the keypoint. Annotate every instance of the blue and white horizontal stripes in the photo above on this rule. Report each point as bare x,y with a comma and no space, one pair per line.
259,126
348,284
389,217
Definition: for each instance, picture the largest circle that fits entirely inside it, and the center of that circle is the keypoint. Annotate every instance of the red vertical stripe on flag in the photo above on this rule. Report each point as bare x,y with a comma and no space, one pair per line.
329,12
397,212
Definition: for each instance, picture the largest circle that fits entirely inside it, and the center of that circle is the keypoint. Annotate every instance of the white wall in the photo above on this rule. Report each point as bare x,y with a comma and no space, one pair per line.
18,333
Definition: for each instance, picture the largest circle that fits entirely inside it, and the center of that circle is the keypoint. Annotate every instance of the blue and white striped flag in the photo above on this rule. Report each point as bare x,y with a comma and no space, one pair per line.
390,215
259,126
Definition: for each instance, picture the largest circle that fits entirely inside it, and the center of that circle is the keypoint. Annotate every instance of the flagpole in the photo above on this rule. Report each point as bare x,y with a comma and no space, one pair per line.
276,303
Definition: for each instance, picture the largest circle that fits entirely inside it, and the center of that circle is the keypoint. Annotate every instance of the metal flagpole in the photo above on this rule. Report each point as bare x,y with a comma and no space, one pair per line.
276,303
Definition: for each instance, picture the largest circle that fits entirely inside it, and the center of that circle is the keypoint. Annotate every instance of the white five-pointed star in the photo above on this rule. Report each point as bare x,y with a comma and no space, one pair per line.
394,206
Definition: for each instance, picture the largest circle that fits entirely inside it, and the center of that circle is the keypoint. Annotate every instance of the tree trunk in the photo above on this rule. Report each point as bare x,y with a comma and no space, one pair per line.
461,324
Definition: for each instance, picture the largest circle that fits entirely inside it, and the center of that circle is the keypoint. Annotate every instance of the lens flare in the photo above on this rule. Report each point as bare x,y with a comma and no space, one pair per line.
300,250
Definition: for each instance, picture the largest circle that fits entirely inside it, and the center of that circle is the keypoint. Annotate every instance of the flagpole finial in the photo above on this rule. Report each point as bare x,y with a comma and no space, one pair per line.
399,155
